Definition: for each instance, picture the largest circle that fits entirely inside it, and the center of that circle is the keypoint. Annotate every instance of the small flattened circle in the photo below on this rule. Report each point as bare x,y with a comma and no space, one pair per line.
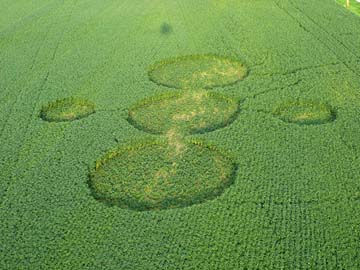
305,112
68,109
198,72
187,112
153,176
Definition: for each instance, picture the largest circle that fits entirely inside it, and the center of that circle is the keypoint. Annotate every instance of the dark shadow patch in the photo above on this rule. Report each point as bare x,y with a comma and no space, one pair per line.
166,29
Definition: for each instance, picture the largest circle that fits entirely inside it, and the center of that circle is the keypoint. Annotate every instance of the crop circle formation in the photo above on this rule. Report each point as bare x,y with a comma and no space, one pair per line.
186,112
305,112
68,109
197,72
153,176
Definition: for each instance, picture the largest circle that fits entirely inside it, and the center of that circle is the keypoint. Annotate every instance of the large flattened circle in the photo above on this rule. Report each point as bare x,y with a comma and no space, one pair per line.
187,112
305,112
68,109
197,72
151,176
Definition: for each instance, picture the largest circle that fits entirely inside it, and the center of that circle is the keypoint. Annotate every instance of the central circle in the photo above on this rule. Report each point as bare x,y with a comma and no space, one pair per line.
156,175
197,72
186,112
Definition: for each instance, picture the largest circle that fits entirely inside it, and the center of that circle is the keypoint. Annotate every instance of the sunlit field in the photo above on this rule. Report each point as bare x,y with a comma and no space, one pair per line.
178,135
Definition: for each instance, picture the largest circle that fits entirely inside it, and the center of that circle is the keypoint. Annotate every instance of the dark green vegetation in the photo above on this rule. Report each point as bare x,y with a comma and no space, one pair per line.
295,199
186,112
197,71
161,175
166,29
68,109
305,112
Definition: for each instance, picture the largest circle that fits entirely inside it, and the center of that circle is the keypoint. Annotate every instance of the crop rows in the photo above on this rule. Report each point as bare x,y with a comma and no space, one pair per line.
293,202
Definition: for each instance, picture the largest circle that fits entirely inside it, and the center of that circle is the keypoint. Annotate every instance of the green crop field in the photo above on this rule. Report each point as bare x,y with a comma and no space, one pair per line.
179,135
354,5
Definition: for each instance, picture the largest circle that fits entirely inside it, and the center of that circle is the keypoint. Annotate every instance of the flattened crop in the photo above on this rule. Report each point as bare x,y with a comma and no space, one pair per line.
151,176
68,109
186,112
305,112
197,72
